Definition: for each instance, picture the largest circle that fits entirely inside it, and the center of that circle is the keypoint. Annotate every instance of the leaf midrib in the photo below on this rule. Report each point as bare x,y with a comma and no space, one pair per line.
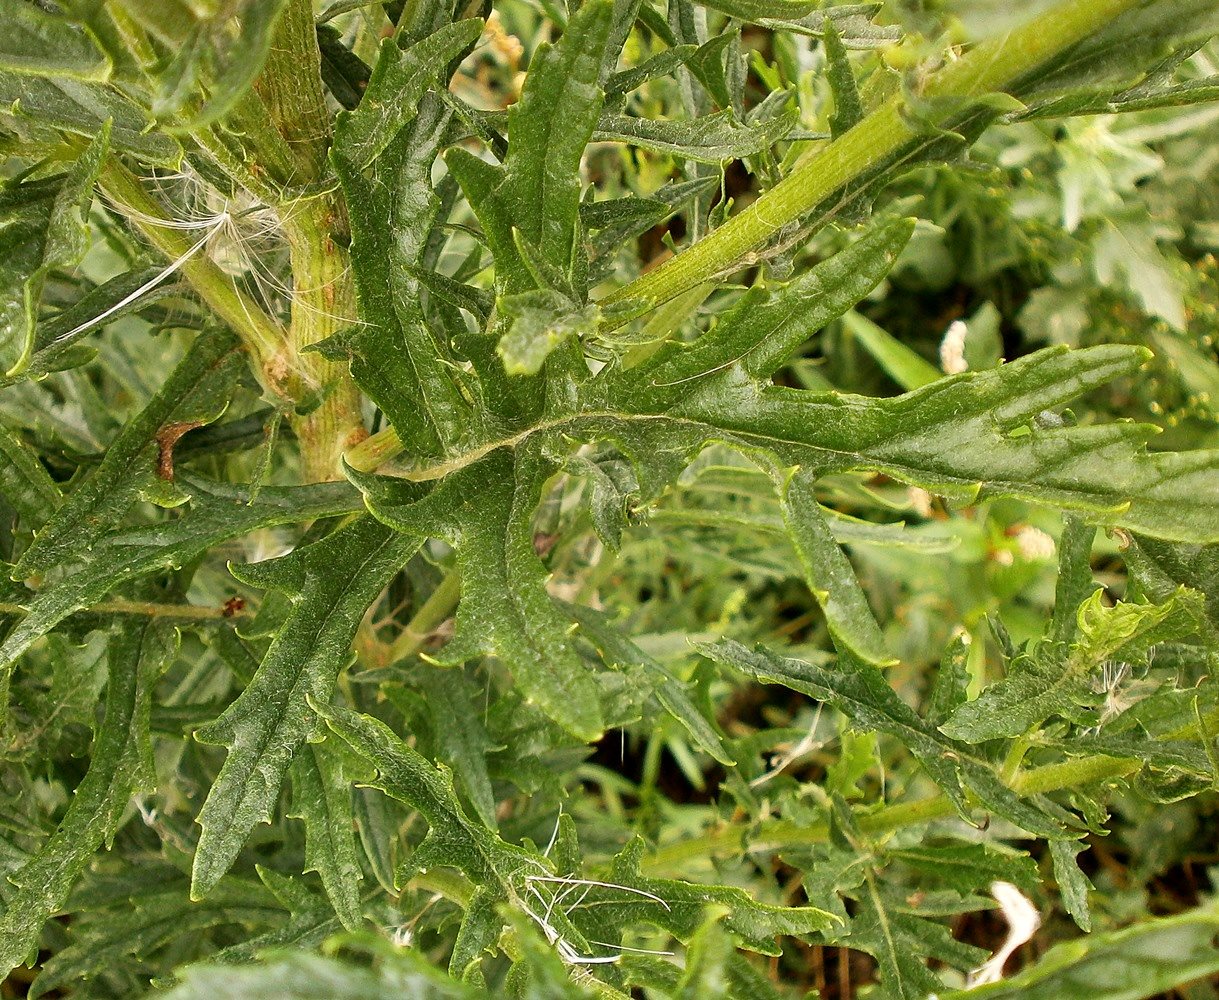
855,459
223,829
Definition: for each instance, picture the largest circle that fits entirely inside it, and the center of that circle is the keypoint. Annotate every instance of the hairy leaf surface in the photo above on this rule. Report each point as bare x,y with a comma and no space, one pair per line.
330,584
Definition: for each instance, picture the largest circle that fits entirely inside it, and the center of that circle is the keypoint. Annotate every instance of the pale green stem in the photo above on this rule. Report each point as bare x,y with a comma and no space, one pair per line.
261,334
430,616
373,451
994,66
323,299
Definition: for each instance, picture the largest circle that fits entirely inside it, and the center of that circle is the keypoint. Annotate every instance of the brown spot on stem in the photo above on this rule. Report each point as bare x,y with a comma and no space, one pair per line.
167,437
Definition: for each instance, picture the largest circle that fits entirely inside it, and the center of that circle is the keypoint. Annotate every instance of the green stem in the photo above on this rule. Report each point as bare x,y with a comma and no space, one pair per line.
888,133
374,450
433,612
323,300
261,334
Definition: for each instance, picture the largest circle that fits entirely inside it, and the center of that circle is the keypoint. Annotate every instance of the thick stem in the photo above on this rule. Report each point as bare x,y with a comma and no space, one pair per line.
261,334
997,65
323,301
290,86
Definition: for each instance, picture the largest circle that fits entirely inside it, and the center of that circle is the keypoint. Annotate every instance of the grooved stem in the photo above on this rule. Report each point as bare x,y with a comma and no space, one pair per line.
260,333
998,65
323,301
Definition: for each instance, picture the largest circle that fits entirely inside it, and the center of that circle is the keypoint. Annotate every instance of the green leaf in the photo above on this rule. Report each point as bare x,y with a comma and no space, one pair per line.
829,573
967,867
753,924
303,976
611,489
956,438
25,484
321,797
883,921
904,366
950,689
216,513
763,330
395,357
120,765
478,302
1114,60
859,691
144,915
761,10
1075,583
670,693
1160,568
1053,680
707,66
1149,98
374,818
1149,958
712,138
216,56
345,74
537,322
548,129
618,219
660,65
1073,884
39,43
399,81
486,513
853,22
539,973
56,341
848,111
139,462
43,227
743,980
330,583
40,107
461,734
310,921
845,529
453,840
705,972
